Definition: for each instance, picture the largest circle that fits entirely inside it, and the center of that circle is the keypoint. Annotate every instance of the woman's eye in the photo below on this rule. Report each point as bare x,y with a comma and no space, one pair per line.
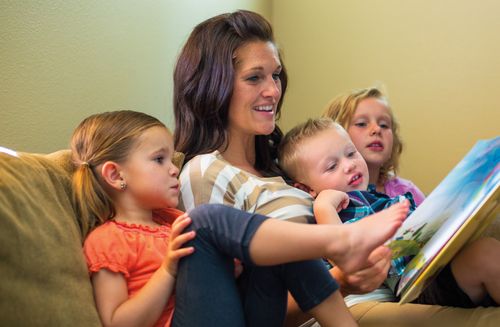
253,78
276,76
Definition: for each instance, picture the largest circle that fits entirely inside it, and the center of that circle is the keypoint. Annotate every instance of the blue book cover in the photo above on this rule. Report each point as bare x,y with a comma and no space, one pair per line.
458,209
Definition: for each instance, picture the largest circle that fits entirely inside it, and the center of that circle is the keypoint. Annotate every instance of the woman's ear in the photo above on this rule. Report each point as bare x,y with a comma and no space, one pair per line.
110,172
305,188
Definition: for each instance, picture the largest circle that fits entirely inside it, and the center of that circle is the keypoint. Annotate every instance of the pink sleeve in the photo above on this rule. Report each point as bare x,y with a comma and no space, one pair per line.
397,186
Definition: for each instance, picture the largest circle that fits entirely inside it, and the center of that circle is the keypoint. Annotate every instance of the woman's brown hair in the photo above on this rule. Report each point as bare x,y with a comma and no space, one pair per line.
203,86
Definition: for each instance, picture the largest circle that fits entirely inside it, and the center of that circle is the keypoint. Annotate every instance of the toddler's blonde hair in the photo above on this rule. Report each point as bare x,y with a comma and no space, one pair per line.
289,149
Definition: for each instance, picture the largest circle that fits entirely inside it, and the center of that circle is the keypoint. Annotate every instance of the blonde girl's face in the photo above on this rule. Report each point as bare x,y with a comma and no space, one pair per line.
256,89
371,131
150,175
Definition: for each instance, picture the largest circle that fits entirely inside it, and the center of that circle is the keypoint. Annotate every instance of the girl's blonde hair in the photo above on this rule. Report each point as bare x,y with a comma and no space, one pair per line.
288,151
342,109
99,138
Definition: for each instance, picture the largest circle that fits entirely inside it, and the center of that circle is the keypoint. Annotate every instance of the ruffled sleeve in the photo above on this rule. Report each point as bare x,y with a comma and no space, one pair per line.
105,247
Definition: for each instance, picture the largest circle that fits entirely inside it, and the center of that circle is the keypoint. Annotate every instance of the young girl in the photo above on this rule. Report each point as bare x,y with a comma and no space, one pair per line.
368,118
126,185
124,172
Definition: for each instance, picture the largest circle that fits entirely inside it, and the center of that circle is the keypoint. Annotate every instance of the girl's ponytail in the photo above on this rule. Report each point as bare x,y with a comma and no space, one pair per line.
93,204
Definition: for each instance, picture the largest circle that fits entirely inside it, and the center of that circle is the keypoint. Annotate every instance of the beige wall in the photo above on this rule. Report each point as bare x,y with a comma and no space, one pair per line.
439,61
61,60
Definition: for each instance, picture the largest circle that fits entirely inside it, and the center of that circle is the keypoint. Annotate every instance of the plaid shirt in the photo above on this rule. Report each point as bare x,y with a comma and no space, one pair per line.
365,203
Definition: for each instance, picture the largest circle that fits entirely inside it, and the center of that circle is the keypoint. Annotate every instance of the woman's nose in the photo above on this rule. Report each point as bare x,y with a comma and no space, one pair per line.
272,89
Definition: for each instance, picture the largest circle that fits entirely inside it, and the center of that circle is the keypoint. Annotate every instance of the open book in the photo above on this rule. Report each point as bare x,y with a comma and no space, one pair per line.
456,212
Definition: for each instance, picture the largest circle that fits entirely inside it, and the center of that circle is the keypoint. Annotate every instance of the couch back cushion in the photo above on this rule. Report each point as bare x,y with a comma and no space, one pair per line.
43,275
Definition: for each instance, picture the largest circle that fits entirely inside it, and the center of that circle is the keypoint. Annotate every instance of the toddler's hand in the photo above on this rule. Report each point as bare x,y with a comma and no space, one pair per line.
175,250
339,200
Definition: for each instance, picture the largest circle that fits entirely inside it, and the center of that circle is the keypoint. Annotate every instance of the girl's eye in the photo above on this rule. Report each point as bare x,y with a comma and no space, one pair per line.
385,126
360,124
159,160
351,154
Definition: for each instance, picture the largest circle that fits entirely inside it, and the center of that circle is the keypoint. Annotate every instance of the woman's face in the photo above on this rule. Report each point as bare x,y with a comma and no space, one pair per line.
256,91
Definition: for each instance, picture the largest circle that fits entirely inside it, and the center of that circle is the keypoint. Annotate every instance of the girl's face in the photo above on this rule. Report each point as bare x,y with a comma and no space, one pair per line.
150,175
256,90
371,131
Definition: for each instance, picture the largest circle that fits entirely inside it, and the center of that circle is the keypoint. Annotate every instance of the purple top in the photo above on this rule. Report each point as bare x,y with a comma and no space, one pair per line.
397,186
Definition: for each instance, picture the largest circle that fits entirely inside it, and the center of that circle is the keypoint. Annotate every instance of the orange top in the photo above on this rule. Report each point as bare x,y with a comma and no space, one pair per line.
136,251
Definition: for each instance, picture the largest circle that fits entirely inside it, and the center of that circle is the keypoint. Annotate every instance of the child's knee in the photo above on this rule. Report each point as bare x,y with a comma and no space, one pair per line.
202,214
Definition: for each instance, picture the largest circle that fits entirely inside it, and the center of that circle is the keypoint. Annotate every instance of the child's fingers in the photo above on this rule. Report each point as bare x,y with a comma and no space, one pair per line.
179,225
181,219
180,253
344,203
178,241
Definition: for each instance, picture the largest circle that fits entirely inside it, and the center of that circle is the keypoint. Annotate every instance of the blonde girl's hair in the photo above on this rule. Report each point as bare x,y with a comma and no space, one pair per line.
289,148
342,108
108,136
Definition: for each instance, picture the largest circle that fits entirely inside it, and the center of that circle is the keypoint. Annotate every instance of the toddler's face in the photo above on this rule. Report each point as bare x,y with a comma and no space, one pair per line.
371,131
330,161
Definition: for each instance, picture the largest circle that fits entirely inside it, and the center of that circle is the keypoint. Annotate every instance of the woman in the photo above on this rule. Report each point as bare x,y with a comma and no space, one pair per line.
229,84
228,87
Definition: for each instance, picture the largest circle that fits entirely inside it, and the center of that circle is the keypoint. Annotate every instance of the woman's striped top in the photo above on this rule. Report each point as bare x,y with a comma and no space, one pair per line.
208,178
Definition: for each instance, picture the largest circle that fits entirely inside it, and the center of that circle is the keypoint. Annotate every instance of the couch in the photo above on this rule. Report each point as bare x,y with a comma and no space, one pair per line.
43,276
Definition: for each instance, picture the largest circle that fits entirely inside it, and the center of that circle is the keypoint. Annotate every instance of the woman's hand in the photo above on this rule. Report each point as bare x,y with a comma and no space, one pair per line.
177,239
367,279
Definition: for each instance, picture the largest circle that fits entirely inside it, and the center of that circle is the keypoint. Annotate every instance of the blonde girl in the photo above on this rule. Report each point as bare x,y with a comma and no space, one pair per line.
368,118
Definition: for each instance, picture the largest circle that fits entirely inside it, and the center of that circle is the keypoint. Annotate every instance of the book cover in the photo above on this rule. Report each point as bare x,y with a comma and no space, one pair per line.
457,211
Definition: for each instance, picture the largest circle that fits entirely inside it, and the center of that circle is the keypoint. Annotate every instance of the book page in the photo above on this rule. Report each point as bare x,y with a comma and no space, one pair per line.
446,209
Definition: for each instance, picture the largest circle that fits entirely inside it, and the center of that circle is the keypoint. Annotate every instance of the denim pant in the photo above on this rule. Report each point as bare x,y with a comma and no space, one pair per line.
207,293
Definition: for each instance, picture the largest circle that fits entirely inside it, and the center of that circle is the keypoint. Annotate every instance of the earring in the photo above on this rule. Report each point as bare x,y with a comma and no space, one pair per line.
123,185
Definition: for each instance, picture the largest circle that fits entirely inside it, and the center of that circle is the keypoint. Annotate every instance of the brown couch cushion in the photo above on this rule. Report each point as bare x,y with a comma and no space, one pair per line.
43,276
